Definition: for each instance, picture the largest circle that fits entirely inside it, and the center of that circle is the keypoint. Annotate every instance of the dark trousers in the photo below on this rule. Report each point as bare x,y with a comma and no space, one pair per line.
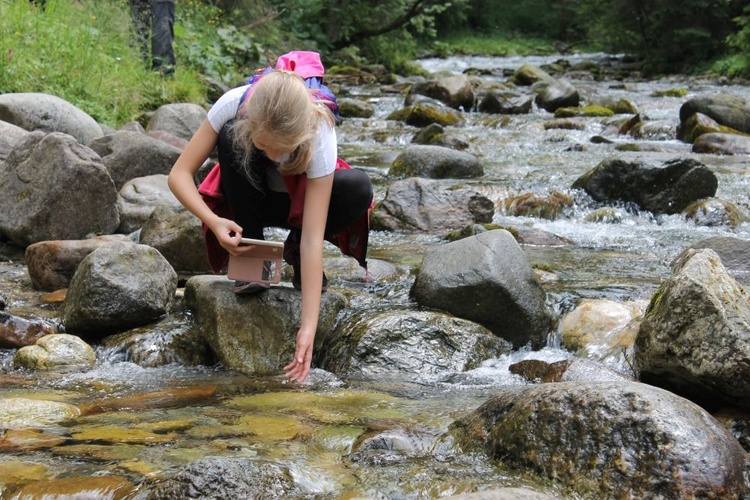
153,21
256,207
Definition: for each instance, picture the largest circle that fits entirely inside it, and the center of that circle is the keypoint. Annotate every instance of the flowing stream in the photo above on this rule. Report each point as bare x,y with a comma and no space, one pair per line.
145,423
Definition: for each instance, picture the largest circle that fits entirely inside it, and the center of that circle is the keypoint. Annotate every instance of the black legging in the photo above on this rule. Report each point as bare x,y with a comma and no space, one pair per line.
255,208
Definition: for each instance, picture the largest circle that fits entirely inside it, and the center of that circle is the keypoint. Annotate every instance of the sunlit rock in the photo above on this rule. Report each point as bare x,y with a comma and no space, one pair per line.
16,473
21,413
109,487
56,352
339,407
695,336
48,113
602,321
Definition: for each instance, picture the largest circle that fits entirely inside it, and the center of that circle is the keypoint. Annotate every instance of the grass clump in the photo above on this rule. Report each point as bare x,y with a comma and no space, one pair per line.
496,44
81,52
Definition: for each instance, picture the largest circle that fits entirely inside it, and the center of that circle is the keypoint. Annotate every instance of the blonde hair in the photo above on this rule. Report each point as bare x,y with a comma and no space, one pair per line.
281,108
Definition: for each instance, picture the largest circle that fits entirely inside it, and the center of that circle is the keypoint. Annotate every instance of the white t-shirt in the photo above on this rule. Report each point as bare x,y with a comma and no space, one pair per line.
325,149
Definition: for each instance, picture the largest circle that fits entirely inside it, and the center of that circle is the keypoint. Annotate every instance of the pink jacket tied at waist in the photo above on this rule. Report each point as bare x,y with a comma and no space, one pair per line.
352,241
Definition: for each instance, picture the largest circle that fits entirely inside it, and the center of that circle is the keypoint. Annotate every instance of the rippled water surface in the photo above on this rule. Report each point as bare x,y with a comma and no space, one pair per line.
145,423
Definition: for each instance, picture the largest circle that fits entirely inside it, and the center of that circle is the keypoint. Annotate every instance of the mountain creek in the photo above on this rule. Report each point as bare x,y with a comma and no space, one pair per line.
139,423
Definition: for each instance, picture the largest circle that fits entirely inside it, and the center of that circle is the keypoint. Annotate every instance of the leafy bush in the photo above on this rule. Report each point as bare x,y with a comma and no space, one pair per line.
739,63
211,44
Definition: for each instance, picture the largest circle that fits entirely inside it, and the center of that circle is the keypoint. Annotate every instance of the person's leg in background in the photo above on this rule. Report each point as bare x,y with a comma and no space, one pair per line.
140,15
162,50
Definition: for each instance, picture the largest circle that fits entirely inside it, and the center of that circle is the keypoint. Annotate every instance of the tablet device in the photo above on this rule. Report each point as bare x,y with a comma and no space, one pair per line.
262,264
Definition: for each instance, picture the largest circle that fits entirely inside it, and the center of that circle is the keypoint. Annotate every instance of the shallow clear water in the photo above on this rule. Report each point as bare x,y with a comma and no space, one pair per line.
146,423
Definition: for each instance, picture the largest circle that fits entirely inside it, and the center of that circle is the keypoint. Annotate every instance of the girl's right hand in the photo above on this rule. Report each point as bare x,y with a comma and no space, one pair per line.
229,234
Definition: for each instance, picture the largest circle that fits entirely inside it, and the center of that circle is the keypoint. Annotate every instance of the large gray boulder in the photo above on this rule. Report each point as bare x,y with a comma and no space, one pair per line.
48,113
608,440
436,162
727,109
455,91
486,279
128,155
219,478
177,234
51,264
255,333
9,135
117,287
694,339
180,119
138,198
413,343
668,189
417,204
53,188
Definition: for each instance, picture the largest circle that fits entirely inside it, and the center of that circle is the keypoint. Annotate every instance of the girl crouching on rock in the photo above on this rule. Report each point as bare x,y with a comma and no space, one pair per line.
278,167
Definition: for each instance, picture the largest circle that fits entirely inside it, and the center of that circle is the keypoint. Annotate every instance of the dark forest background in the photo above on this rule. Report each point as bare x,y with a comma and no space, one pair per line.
82,50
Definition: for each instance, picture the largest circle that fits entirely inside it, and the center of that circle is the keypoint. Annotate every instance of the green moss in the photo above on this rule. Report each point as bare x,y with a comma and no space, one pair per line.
674,92
590,111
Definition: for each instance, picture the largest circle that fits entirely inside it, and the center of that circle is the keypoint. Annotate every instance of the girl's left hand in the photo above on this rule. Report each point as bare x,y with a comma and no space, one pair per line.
299,368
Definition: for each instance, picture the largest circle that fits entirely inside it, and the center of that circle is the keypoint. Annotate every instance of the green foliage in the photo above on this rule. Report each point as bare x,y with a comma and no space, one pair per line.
530,17
81,52
208,41
497,44
738,64
386,32
670,35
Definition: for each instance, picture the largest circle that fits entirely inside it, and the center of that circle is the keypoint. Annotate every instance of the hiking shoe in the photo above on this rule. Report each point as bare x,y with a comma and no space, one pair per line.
249,287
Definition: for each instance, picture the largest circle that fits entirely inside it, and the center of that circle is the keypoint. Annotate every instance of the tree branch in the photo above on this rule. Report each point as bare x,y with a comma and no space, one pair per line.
417,8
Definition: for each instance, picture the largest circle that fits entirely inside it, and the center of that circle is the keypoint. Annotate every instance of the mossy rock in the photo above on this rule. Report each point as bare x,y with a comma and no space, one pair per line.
674,92
589,111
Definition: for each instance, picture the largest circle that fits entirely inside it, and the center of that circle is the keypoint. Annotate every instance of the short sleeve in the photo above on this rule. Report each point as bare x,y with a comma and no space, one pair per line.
225,109
325,152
